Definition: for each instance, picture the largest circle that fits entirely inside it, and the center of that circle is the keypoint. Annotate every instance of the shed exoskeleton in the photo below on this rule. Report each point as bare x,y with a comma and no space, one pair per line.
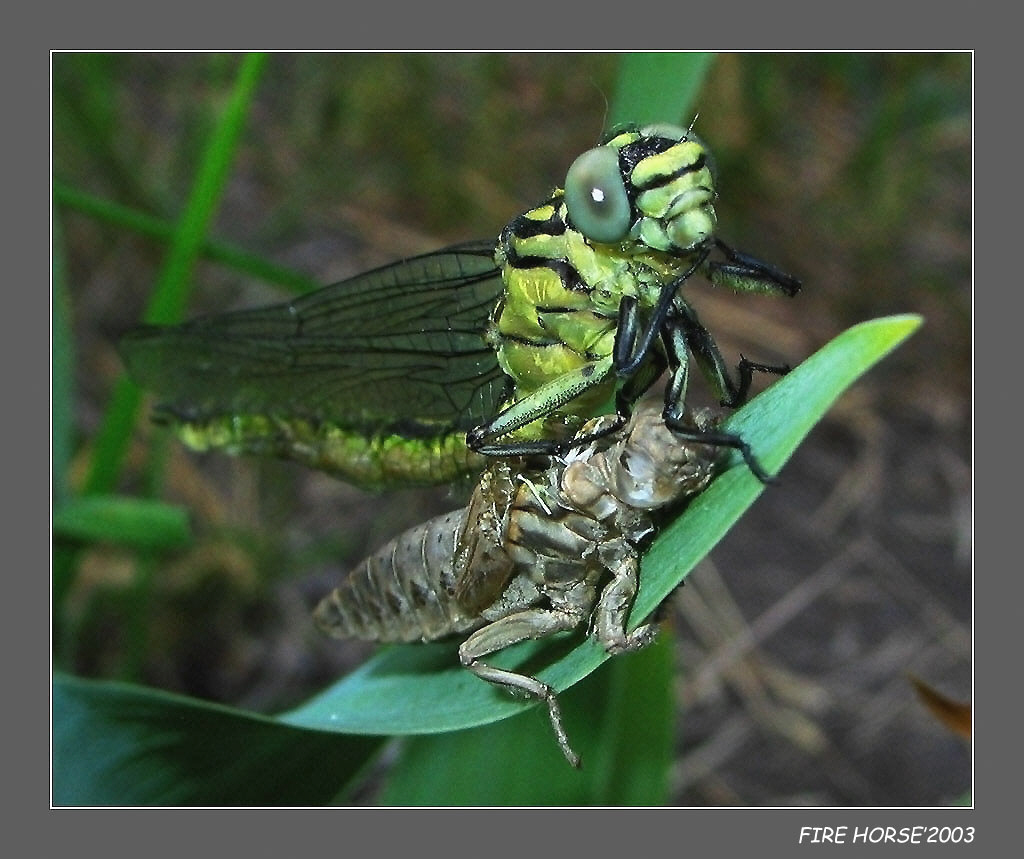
534,553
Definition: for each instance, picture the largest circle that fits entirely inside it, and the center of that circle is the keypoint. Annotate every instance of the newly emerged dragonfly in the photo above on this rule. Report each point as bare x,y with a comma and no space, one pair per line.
536,552
412,373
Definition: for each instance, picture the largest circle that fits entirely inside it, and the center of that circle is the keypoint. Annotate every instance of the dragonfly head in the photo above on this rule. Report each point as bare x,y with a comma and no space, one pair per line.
650,188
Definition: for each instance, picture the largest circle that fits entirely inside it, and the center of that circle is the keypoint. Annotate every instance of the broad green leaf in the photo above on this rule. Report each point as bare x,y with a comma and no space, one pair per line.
774,424
135,522
417,689
115,744
514,762
621,720
637,718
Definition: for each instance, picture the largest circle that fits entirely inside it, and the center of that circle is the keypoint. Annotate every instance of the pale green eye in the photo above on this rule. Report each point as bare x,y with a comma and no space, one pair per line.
596,198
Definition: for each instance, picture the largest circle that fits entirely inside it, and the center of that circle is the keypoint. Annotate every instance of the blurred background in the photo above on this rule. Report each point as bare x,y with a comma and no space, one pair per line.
799,639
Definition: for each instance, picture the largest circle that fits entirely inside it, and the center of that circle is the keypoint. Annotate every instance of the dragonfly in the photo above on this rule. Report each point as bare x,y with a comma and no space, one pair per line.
417,372
537,551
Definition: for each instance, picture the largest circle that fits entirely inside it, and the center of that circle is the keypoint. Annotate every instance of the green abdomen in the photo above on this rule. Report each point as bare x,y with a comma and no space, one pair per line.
372,462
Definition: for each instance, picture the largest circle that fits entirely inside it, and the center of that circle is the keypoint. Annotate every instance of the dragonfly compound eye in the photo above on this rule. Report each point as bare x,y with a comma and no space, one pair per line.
595,196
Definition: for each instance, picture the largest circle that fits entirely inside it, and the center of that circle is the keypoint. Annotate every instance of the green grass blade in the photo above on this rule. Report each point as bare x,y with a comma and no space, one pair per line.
168,299
133,522
774,424
658,87
417,689
138,222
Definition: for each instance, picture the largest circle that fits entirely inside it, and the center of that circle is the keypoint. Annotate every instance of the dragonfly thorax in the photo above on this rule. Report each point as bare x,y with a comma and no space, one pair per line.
635,216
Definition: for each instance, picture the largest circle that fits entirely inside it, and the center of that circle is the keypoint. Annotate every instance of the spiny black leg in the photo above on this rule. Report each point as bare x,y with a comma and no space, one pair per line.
552,447
722,439
770,278
661,312
746,369
708,357
620,419
673,338
625,333
699,342
676,338
625,398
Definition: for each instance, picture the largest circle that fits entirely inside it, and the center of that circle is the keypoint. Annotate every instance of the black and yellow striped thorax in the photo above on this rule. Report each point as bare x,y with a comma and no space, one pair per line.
563,287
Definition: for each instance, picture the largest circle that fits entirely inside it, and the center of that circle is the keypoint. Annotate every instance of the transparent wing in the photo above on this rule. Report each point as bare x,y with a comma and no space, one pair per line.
399,348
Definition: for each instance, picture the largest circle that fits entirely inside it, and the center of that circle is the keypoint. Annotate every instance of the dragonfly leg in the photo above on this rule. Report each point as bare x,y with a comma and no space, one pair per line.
632,345
682,338
745,273
685,333
722,438
548,398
